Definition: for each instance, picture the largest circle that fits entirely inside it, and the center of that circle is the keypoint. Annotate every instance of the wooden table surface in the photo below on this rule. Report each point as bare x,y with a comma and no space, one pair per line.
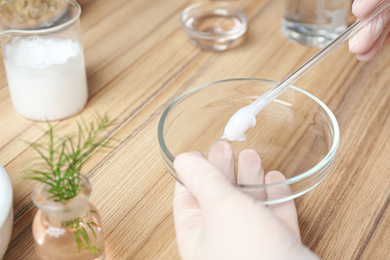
139,60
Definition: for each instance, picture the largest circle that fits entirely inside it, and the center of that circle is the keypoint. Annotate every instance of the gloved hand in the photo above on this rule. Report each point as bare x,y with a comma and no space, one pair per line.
215,220
367,43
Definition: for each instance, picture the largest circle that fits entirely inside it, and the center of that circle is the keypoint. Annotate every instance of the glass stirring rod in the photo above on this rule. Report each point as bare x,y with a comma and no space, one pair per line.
245,117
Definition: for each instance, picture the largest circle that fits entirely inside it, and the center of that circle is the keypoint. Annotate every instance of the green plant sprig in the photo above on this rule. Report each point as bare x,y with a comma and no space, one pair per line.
62,158
60,162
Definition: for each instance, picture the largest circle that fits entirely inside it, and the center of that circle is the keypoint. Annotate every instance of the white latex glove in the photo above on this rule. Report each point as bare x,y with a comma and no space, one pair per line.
214,220
367,43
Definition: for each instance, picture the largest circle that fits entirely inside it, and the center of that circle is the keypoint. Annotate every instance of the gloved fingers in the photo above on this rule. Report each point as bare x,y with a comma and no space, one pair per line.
185,205
376,47
221,155
285,211
361,8
251,172
203,179
187,218
365,39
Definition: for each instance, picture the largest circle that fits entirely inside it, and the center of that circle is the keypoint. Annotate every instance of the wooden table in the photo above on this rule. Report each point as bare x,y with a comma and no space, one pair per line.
139,60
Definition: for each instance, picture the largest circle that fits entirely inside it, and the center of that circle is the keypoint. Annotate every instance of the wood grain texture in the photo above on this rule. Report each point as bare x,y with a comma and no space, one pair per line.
139,60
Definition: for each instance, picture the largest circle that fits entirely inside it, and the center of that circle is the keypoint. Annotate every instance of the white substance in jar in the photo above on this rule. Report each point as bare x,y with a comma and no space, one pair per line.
46,77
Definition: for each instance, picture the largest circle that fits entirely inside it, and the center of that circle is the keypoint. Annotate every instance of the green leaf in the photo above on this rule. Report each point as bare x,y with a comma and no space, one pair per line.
78,241
91,228
85,236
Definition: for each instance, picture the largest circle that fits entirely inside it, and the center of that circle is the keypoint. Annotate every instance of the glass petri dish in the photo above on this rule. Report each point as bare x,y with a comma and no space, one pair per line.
296,134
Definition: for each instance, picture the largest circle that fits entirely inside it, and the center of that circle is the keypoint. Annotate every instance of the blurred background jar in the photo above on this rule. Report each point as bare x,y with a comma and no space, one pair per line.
315,23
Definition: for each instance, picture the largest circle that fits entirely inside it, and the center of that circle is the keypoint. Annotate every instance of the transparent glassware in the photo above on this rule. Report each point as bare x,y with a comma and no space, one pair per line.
214,26
56,226
315,23
43,57
295,134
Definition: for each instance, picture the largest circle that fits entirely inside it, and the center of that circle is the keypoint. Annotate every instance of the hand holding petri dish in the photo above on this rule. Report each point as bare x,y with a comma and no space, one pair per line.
296,134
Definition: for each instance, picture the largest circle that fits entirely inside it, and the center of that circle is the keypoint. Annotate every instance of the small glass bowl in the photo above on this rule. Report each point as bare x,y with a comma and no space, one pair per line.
296,134
214,25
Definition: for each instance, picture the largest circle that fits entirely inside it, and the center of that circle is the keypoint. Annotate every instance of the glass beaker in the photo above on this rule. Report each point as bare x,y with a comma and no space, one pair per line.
315,23
43,57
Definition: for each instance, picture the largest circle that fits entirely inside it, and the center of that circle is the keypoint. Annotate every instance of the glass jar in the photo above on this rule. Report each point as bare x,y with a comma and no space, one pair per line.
67,230
44,58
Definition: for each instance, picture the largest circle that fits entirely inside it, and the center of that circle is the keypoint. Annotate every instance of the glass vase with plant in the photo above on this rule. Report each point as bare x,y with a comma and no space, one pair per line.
67,225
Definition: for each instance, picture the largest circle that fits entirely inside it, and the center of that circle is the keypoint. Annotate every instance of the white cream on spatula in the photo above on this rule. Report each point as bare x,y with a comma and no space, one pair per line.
245,117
